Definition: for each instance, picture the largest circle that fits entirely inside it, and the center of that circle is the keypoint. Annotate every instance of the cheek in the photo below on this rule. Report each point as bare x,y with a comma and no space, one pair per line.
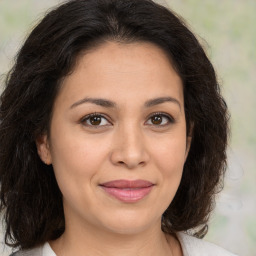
169,160
76,157
171,153
76,168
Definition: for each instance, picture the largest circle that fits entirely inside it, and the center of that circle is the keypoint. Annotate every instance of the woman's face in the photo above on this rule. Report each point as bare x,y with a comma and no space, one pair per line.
118,138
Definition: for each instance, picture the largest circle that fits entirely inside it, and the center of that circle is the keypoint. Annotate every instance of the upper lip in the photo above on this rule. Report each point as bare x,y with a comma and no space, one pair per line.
127,184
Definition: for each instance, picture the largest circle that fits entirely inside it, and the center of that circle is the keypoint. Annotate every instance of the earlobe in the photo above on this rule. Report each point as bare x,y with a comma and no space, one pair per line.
43,149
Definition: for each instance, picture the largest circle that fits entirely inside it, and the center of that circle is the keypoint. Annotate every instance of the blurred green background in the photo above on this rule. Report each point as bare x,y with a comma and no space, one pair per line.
227,31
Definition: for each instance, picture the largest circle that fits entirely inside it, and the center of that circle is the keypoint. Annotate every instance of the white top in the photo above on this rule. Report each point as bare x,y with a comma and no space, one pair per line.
47,250
190,245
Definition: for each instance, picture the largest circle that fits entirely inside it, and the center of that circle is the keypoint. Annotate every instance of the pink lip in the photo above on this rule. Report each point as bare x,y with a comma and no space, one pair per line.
128,190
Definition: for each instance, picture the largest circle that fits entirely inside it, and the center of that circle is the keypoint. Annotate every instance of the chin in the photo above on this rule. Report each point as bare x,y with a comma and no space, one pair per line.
131,225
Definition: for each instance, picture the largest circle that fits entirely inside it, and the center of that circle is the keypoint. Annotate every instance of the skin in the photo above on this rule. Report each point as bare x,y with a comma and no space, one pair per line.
126,144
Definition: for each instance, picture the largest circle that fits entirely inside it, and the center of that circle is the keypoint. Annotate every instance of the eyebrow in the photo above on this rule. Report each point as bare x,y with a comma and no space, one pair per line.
110,104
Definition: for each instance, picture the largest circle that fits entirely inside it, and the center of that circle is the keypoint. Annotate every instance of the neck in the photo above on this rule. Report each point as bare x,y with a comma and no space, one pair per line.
78,240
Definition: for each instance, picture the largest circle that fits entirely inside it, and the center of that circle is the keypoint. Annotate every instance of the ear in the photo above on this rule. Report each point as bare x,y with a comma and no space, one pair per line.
189,140
43,149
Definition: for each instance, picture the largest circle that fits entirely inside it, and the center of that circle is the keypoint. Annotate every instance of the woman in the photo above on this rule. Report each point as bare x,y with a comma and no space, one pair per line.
113,135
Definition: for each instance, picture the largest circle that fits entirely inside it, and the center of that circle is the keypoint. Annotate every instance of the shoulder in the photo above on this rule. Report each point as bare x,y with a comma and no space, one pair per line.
192,246
38,251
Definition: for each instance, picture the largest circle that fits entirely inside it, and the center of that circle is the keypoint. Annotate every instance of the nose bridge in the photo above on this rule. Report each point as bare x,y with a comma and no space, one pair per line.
129,148
132,138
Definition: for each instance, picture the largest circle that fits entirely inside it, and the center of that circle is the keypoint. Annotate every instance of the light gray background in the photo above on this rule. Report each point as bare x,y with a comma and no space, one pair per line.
227,31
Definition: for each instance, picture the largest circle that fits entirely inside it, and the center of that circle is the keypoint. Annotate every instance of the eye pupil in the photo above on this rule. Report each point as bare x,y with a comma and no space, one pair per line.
95,120
156,119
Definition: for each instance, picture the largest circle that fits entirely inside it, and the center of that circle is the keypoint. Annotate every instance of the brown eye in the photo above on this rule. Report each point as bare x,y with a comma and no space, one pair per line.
156,120
95,120
160,119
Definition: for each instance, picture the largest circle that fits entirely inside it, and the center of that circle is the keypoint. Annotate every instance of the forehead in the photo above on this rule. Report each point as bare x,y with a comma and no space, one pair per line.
125,57
121,71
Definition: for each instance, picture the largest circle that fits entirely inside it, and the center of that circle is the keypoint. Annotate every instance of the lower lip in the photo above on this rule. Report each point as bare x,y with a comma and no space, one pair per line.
128,195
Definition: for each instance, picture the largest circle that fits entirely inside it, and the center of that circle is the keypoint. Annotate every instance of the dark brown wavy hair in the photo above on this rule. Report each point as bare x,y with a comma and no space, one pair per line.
30,199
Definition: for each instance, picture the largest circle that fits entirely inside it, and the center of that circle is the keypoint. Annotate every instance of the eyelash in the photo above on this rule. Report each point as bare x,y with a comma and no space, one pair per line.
163,115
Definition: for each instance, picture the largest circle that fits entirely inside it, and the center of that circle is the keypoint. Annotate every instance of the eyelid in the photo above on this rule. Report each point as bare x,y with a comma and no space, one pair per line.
168,116
86,117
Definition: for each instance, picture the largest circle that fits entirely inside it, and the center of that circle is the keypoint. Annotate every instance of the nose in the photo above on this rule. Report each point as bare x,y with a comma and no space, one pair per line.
129,148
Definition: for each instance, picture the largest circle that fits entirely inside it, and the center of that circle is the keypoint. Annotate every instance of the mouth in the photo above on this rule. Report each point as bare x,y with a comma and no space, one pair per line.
128,191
